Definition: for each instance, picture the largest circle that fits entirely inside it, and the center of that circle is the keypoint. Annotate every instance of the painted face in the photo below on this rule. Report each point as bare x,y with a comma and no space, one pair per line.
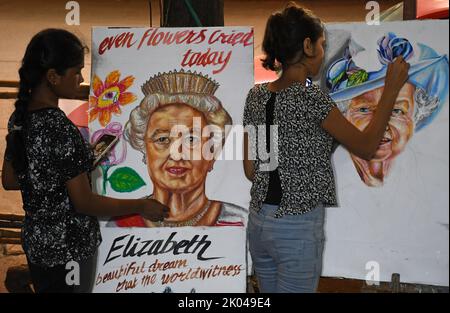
183,173
69,83
400,127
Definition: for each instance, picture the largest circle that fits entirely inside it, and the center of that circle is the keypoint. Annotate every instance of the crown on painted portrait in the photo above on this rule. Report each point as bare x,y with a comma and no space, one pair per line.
180,82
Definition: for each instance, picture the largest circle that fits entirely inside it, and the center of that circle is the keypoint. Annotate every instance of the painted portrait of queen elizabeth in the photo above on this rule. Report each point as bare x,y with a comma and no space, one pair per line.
358,91
180,99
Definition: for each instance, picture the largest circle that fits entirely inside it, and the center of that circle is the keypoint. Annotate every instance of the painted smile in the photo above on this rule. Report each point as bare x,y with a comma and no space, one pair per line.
385,141
177,171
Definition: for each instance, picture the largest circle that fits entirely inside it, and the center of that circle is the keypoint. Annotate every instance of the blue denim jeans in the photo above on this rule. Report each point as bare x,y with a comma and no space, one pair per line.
287,251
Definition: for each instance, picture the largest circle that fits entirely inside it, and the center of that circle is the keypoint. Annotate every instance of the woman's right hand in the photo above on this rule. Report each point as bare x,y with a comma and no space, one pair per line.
365,143
153,210
397,75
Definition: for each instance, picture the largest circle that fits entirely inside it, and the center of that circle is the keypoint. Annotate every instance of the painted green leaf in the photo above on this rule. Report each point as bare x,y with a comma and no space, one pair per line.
337,79
357,78
125,179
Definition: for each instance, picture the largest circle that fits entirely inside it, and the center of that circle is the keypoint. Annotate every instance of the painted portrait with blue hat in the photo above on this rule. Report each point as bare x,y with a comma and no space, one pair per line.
357,92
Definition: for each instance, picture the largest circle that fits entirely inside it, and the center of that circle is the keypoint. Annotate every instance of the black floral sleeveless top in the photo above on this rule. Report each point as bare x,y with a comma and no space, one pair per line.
53,232
304,147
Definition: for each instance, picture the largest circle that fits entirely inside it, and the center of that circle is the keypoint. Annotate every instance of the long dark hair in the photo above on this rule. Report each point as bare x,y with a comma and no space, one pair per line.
285,33
49,49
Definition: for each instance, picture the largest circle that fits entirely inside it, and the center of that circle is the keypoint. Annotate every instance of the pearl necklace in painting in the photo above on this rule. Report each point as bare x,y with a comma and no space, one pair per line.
190,222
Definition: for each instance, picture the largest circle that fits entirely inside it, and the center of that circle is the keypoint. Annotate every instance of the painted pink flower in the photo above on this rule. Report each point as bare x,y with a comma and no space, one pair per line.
115,129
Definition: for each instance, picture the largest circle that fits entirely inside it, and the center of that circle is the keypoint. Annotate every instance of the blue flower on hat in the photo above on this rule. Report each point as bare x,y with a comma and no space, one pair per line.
429,73
390,46
344,73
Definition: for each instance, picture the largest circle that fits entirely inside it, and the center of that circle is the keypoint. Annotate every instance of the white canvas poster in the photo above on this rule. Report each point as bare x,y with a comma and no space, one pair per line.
157,88
394,210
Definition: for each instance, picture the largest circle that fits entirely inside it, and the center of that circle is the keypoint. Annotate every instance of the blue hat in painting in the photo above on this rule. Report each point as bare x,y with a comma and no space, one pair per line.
428,72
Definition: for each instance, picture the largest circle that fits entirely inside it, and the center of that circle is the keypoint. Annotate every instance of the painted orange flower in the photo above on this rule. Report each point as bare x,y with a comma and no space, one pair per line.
109,96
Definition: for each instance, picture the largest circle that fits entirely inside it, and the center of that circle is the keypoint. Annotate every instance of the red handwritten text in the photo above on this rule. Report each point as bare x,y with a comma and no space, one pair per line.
127,284
154,37
209,57
246,39
117,41
157,265
202,273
